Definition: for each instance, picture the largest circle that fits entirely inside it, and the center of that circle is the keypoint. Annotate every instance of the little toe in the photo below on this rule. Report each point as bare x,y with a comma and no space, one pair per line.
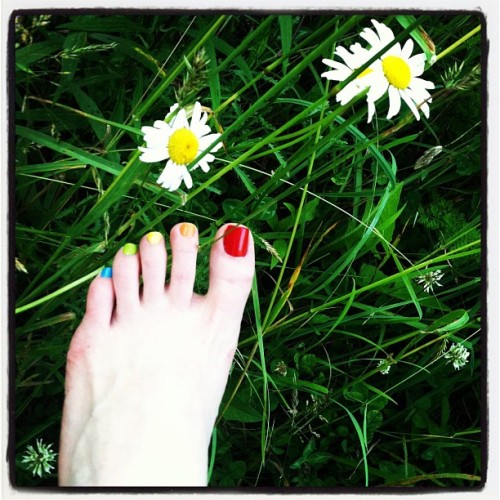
184,244
101,298
232,267
126,269
153,266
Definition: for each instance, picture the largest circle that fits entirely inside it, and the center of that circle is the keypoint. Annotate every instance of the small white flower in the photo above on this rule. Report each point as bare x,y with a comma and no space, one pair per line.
430,279
353,60
397,72
457,355
179,141
386,369
39,460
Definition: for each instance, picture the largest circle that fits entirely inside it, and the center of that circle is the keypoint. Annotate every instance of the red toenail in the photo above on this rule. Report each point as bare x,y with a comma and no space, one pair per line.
236,241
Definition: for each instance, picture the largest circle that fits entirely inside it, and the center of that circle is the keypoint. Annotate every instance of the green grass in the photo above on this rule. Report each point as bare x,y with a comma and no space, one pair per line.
346,217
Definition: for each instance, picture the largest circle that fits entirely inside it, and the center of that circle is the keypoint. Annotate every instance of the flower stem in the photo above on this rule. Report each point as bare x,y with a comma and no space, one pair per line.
457,44
58,292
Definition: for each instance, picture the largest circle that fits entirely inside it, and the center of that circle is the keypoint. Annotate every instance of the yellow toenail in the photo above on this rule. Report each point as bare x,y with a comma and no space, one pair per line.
129,249
188,229
154,237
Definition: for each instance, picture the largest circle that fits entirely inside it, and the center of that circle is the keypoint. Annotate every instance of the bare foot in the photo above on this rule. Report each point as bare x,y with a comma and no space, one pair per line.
147,367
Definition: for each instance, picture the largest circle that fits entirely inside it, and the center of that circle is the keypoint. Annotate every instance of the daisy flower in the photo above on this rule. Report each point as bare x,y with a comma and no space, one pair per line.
397,72
180,142
353,59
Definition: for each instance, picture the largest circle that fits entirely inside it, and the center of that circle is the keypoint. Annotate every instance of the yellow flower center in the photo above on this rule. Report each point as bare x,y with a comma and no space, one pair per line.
367,71
182,146
397,71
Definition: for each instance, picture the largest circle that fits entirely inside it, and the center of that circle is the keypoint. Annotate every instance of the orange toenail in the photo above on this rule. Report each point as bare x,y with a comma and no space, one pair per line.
188,229
154,237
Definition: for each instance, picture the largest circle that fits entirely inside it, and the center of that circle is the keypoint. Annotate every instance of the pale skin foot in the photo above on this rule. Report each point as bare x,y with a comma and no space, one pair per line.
148,365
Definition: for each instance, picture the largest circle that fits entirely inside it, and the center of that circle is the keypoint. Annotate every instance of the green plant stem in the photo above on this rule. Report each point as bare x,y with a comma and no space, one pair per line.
457,44
61,290
296,223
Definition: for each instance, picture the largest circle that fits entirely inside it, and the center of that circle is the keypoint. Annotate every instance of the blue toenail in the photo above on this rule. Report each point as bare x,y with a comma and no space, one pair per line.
106,272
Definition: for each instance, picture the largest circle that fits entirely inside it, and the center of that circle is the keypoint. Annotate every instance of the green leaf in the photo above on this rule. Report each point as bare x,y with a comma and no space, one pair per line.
450,322
213,75
35,52
285,23
420,36
241,409
234,209
88,105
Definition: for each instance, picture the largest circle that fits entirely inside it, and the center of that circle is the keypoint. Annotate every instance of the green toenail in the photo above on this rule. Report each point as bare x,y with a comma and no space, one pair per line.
129,249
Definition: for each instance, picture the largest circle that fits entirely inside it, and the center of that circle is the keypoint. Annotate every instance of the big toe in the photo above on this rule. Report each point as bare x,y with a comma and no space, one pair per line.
232,267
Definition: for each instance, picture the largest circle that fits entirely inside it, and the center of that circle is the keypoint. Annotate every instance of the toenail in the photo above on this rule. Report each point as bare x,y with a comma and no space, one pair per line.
236,241
106,272
154,237
129,249
188,229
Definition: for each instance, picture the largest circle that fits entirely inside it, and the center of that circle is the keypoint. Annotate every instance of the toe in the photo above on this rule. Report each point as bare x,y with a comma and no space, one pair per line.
101,298
126,279
232,267
184,244
153,266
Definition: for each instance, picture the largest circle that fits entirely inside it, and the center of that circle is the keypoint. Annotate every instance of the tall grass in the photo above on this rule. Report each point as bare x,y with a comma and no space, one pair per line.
340,378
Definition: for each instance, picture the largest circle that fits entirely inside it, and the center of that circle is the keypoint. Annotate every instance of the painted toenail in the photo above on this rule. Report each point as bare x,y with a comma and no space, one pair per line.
187,229
129,249
236,241
106,272
154,237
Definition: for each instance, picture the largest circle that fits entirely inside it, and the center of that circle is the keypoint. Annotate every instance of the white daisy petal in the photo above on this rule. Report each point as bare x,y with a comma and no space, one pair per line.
203,165
180,120
203,130
337,75
174,185
349,58
371,110
385,33
207,140
349,92
425,84
153,155
188,180
160,124
407,49
410,103
394,102
330,62
146,129
395,50
417,64
425,109
419,95
370,36
421,100
195,118
377,89
156,138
